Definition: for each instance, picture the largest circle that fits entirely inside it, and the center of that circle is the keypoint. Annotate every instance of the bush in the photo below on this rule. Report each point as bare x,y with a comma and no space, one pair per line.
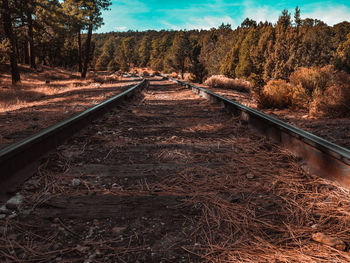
219,81
312,79
280,94
335,100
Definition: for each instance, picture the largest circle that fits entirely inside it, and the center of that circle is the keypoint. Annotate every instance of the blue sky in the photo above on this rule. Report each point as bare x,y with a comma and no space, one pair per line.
204,14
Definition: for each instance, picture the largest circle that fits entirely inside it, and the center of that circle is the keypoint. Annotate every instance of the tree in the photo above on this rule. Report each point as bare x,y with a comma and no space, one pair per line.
196,67
94,9
342,61
7,23
145,50
29,8
179,52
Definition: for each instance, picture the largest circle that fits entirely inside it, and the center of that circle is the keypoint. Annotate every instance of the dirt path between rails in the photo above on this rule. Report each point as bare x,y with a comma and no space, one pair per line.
171,178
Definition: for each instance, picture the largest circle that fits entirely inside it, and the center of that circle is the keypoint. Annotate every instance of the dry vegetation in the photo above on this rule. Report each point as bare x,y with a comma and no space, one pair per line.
322,91
219,81
37,85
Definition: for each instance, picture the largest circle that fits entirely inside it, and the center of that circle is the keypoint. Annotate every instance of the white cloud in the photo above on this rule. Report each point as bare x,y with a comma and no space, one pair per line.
330,14
121,28
208,22
260,13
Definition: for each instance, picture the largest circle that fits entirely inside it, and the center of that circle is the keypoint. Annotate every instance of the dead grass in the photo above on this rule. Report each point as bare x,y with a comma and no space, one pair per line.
36,85
219,81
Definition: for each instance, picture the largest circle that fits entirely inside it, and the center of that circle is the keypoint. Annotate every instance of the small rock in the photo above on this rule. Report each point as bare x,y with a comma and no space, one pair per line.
130,129
314,226
15,201
2,216
205,110
250,176
3,210
99,133
76,182
13,215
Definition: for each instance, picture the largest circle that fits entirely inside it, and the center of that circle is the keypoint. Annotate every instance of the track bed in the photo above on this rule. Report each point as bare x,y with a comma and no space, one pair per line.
171,178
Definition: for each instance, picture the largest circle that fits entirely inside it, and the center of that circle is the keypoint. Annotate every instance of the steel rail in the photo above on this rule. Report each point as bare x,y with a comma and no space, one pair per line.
322,157
18,161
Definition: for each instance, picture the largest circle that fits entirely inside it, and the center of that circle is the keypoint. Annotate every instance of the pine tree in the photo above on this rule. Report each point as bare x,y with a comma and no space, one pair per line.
94,8
7,23
179,52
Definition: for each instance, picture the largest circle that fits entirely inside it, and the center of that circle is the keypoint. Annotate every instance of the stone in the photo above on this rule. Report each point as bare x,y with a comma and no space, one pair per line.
76,182
250,176
14,201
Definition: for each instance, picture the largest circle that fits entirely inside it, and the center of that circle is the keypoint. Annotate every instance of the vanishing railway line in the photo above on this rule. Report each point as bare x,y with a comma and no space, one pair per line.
168,177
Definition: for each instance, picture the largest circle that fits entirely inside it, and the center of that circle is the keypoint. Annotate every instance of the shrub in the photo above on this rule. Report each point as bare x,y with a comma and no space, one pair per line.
280,94
145,74
311,79
335,100
219,81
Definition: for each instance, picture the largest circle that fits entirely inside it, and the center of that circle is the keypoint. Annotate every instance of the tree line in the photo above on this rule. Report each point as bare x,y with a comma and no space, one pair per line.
254,51
48,32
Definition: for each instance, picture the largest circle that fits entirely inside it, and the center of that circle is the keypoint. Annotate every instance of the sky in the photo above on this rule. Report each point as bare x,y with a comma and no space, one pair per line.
144,15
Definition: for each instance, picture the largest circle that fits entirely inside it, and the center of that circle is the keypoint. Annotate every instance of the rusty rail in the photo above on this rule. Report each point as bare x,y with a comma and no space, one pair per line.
18,161
322,157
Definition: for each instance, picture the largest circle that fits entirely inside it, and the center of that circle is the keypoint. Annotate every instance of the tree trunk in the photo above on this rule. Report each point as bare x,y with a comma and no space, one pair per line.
6,17
25,52
87,49
79,52
31,49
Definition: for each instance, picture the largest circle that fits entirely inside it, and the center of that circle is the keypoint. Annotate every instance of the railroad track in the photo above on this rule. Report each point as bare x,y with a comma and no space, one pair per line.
18,161
172,178
321,157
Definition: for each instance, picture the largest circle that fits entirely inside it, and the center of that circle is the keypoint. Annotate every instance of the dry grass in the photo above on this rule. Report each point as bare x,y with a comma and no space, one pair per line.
219,81
36,85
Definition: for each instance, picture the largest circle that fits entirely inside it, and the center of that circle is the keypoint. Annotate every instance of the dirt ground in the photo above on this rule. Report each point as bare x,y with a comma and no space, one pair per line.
171,178
336,130
34,104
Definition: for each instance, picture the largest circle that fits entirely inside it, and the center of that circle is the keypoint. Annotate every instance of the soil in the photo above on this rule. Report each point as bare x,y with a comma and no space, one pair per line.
171,178
336,130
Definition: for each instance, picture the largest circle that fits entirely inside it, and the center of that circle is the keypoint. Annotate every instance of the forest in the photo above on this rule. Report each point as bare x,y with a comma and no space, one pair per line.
306,53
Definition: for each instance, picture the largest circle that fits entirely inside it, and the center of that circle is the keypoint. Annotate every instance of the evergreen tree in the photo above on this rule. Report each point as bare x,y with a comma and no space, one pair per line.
7,24
179,52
